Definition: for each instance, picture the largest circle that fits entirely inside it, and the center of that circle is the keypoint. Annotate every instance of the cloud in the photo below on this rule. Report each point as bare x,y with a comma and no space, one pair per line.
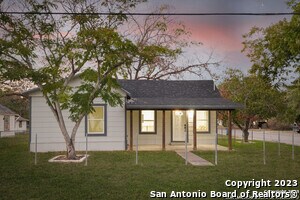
223,34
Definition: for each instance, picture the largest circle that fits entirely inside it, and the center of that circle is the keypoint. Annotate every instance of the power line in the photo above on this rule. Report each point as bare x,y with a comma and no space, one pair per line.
155,14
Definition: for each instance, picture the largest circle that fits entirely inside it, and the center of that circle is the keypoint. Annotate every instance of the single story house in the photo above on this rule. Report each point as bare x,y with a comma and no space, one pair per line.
21,124
155,113
7,122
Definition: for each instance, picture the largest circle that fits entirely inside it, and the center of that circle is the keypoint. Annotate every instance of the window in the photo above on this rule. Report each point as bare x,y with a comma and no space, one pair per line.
96,121
20,124
147,121
202,121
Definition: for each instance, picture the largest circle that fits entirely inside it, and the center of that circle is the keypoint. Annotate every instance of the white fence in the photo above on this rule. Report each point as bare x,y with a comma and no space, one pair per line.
279,137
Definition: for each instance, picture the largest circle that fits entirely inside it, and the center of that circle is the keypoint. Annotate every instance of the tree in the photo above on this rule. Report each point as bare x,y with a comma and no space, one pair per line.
51,50
292,103
275,50
16,103
163,40
11,96
275,53
259,98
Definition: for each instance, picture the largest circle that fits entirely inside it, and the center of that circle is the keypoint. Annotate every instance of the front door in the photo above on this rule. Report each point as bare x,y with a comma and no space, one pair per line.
179,119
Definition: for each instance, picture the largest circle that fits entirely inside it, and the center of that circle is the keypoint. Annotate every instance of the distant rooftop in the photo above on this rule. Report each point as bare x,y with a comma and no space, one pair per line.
6,111
21,119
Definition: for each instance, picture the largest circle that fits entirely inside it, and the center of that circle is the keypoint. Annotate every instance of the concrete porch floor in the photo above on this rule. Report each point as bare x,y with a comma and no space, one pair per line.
175,147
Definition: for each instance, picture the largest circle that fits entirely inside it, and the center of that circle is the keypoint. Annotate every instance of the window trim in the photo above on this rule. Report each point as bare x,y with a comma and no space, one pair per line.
155,123
209,128
105,122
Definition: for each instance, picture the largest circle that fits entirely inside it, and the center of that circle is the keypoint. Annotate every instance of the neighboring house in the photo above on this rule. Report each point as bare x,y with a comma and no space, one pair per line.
21,124
156,111
7,122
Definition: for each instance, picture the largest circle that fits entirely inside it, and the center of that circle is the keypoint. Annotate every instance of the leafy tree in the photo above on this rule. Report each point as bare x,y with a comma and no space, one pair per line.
11,96
275,53
275,50
16,103
259,98
51,50
292,103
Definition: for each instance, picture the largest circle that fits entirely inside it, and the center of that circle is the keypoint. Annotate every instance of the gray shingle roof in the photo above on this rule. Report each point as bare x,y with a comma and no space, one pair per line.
165,94
6,111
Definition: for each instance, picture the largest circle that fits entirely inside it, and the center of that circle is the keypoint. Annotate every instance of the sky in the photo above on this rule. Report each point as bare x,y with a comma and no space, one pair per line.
222,35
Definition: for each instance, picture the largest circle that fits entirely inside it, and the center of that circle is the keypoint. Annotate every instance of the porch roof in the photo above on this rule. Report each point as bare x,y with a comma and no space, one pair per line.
179,94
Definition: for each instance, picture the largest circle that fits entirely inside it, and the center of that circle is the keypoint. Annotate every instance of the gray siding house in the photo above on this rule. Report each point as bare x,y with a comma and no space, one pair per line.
155,114
7,122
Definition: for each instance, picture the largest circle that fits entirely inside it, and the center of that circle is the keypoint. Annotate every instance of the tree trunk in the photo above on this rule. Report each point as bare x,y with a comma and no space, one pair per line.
71,153
245,130
246,135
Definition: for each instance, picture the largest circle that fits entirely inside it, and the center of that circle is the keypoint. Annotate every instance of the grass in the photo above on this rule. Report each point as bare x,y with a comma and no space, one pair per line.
114,175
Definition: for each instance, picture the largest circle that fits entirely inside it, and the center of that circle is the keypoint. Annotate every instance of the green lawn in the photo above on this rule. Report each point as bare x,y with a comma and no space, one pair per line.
114,175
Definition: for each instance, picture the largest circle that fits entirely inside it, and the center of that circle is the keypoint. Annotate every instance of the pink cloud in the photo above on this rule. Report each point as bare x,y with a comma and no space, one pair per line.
216,37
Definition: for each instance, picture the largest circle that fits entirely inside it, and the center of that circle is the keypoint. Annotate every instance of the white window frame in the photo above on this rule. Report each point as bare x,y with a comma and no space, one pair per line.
104,121
141,123
203,120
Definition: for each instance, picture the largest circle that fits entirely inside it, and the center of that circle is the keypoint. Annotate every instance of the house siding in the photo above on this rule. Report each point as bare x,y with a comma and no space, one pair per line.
49,137
23,128
11,125
1,123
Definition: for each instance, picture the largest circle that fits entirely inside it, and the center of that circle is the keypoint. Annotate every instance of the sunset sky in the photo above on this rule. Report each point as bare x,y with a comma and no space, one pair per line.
222,34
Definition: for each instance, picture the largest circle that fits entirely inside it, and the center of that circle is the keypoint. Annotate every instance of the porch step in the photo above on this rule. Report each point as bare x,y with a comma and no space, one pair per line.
193,159
179,144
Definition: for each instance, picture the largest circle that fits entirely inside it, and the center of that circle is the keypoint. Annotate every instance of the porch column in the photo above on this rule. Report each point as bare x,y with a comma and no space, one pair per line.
163,131
131,132
194,132
229,130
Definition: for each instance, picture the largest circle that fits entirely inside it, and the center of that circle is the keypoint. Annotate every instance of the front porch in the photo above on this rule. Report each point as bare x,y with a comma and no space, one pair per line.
169,130
167,112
